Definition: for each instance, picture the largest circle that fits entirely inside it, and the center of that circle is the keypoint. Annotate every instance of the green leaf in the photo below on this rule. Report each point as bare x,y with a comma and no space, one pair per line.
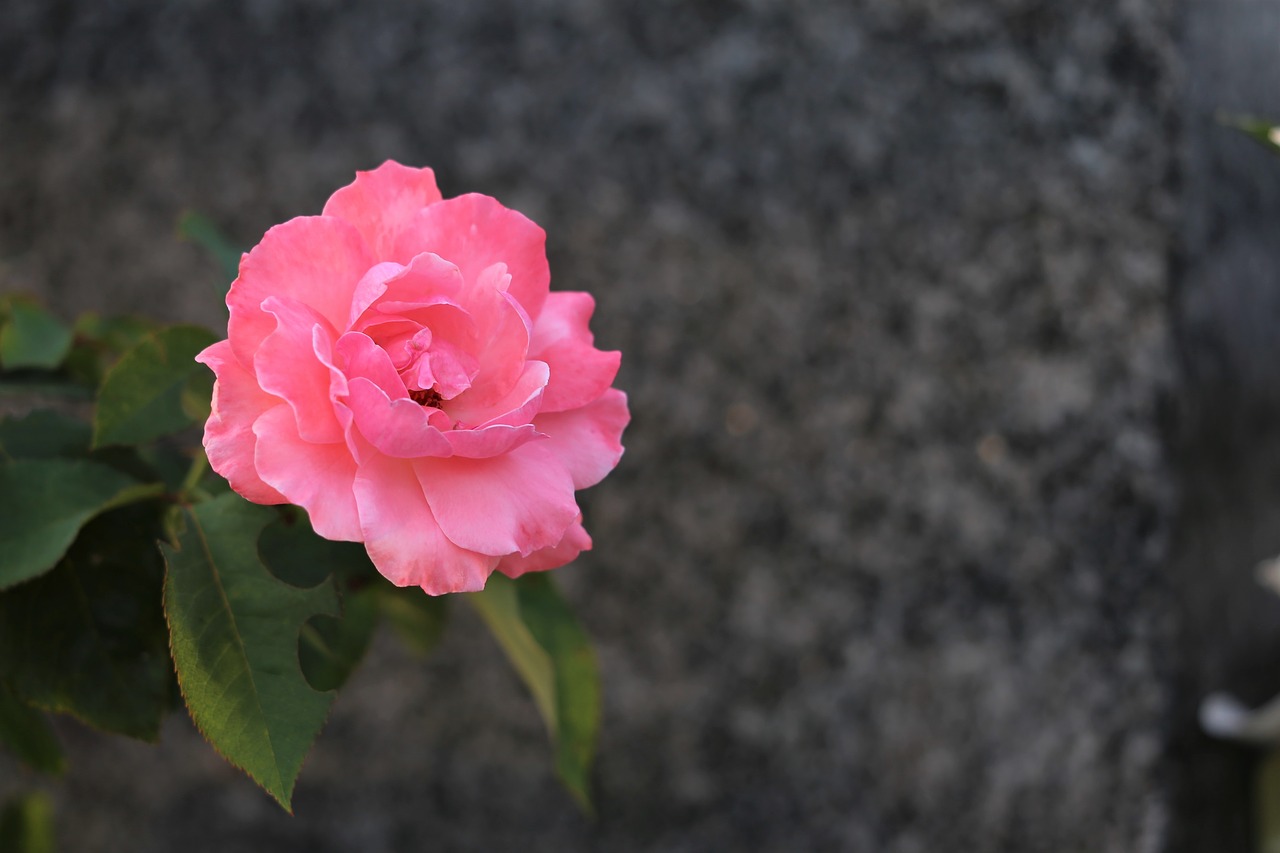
45,502
142,396
201,231
418,619
89,638
43,434
234,633
32,337
42,385
26,825
24,730
99,341
330,648
297,555
553,655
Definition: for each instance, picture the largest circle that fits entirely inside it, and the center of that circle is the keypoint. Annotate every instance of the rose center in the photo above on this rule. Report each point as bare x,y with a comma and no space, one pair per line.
428,397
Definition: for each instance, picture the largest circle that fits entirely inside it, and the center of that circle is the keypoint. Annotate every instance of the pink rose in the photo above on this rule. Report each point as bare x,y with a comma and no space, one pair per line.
398,367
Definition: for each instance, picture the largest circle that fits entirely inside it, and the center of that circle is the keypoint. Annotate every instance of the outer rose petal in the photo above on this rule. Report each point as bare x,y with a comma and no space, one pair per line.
381,202
317,260
575,541
295,362
316,477
561,338
520,501
228,435
587,441
476,232
402,536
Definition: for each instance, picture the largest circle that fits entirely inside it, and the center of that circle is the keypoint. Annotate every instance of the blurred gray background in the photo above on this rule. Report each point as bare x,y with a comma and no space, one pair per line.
950,333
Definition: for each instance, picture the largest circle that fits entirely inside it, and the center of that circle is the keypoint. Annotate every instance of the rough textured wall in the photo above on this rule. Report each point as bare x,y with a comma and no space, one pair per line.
881,569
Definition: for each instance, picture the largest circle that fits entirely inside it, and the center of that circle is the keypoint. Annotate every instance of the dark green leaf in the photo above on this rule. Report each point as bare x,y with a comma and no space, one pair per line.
45,502
142,396
24,730
26,825
42,385
43,434
553,655
234,633
203,232
418,619
89,638
299,557
197,396
99,341
32,337
330,648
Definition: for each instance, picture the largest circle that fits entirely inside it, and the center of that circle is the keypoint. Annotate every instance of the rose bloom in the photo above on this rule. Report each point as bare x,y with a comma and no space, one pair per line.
399,367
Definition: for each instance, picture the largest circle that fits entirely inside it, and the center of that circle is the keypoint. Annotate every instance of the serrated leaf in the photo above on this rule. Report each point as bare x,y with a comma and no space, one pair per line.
26,825
330,648
553,655
234,634
88,638
26,732
32,337
45,502
418,619
43,434
141,398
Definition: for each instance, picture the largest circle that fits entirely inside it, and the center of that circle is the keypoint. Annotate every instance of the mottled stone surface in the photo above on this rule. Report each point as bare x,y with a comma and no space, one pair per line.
883,568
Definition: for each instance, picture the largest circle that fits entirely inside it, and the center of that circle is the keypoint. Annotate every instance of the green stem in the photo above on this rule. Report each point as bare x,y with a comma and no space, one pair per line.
199,465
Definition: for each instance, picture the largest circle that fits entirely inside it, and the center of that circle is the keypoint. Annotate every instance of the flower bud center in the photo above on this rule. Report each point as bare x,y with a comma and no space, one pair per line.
427,397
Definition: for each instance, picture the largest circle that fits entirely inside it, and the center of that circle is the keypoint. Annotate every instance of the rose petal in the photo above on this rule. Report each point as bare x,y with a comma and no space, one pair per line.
316,260
587,441
518,407
426,276
475,232
317,477
503,335
228,434
359,356
402,536
370,287
519,501
574,542
381,202
399,428
489,441
295,363
561,338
